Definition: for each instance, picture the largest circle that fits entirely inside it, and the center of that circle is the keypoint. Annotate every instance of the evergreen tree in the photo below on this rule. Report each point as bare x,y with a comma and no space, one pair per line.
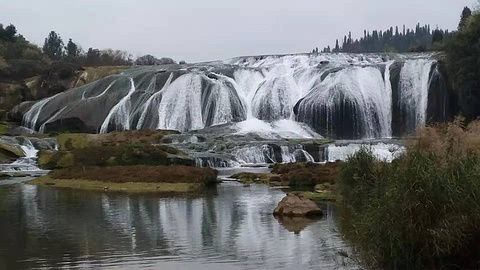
466,13
53,46
72,49
437,36
463,51
337,47
392,40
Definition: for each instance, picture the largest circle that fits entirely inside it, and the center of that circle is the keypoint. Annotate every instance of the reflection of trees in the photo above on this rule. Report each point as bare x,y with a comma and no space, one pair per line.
51,226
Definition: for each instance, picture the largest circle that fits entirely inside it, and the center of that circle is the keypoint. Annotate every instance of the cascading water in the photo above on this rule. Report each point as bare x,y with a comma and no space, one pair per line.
27,163
338,95
31,117
120,113
413,94
352,102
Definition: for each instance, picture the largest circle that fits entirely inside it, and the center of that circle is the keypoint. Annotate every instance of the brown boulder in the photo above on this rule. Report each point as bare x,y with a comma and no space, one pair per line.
294,205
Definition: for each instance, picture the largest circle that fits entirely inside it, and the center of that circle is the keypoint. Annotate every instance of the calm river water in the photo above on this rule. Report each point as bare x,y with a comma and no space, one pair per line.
229,227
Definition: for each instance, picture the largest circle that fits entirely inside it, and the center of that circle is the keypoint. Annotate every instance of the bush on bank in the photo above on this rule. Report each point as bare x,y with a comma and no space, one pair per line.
422,211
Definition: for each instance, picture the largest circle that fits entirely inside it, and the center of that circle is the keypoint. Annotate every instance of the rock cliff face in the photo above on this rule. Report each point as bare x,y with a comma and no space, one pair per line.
59,77
340,96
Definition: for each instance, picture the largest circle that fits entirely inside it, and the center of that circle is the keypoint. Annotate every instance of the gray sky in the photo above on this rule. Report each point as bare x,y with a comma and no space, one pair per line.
200,30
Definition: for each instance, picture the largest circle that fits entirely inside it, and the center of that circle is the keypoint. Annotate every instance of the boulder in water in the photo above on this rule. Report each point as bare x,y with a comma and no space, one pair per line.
293,205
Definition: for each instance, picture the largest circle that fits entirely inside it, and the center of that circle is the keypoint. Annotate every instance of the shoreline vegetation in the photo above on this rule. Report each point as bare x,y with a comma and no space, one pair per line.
421,211
314,181
132,179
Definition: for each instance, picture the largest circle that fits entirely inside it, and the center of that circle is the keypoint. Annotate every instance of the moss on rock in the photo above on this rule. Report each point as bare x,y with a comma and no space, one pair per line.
9,152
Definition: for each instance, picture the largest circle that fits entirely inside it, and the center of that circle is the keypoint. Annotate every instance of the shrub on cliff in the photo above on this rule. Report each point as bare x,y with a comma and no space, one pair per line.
421,211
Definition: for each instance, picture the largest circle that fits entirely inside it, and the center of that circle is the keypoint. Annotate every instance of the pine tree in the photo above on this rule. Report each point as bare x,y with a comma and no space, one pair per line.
72,49
53,46
466,13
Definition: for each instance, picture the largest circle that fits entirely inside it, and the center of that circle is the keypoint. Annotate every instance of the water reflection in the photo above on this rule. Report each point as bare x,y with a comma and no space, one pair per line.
229,227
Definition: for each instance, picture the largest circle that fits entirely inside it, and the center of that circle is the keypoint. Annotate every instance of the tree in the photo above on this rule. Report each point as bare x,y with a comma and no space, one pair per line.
466,13
437,36
53,46
146,60
8,34
72,49
463,51
10,31
337,47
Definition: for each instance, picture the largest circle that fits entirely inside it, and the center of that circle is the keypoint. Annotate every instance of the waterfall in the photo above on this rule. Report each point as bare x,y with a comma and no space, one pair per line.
28,163
120,112
287,155
342,96
413,95
194,101
153,101
352,102
31,117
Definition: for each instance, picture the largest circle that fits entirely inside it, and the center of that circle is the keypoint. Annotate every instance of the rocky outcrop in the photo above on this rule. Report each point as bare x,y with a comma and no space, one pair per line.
113,149
56,79
307,174
297,206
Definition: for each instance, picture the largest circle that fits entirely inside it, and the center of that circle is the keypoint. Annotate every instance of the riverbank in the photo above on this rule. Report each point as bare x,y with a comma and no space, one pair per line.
131,179
426,200
128,187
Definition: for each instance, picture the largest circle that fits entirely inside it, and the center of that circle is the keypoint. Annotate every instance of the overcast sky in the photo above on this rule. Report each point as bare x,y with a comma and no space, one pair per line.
200,30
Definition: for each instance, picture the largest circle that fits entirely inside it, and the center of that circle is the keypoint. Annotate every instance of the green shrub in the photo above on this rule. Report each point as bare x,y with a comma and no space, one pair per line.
422,210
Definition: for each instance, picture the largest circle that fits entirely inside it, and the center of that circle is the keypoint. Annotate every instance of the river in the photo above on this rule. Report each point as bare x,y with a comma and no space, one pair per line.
228,227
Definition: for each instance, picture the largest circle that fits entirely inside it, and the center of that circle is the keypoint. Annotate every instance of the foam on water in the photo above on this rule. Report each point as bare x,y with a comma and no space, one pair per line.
285,129
382,151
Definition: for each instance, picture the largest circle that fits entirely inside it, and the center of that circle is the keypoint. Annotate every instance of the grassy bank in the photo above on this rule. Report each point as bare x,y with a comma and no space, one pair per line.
132,179
127,187
422,210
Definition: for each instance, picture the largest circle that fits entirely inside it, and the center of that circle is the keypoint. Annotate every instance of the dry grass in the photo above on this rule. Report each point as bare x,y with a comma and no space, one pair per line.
139,173
422,210
307,174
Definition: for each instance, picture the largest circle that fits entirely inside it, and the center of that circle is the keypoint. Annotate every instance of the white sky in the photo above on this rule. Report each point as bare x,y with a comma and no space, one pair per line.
200,30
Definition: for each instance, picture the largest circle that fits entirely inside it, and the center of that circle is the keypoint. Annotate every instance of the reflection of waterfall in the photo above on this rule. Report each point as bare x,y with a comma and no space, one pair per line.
338,95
